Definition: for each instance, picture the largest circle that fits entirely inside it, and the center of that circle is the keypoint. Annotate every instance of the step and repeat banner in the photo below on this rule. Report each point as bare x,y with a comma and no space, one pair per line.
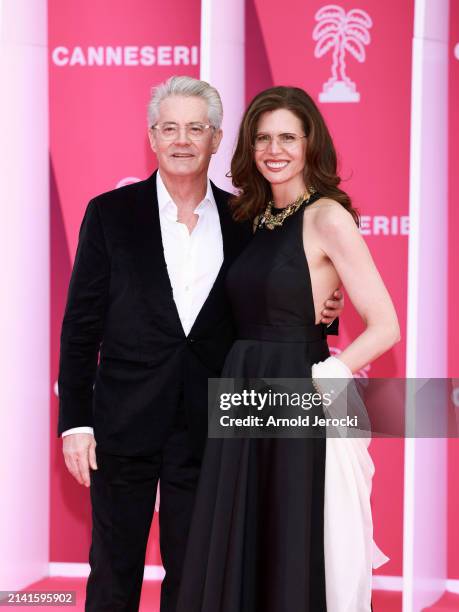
104,57
354,59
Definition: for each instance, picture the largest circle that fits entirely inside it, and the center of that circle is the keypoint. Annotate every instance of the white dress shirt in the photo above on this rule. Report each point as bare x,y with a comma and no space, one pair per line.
193,260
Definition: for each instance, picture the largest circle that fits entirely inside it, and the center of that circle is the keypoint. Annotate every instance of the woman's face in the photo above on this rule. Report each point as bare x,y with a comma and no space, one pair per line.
284,156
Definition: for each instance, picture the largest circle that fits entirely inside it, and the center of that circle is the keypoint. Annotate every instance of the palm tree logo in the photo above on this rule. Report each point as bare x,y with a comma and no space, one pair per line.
343,32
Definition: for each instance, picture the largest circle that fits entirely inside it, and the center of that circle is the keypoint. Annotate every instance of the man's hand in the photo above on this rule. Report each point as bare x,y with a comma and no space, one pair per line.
80,454
333,308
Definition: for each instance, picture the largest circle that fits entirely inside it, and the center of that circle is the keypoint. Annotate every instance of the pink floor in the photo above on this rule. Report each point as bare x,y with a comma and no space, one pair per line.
382,601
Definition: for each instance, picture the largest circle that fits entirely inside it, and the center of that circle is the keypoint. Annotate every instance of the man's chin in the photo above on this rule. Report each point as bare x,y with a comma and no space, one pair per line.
184,169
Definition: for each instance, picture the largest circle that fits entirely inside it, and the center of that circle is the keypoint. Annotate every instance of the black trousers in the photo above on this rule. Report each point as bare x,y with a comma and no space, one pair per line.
123,492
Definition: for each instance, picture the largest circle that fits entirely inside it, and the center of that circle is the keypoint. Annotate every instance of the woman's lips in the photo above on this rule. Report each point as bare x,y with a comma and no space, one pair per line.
276,165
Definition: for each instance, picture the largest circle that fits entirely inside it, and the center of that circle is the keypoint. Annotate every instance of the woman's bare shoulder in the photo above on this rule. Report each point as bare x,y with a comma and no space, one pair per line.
329,215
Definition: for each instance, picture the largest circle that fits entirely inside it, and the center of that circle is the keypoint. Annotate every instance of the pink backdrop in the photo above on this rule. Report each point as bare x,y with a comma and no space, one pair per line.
104,59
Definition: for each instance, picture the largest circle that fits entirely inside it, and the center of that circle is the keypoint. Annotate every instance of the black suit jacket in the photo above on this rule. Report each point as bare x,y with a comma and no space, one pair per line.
120,305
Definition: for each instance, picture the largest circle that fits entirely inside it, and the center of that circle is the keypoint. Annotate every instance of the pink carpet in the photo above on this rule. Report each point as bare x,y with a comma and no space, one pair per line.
383,601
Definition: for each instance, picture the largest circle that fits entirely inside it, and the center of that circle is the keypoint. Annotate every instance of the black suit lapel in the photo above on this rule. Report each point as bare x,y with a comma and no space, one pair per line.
230,233
232,244
150,263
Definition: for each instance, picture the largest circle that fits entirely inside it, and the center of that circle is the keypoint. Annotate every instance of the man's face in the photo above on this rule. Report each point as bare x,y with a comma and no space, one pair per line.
184,156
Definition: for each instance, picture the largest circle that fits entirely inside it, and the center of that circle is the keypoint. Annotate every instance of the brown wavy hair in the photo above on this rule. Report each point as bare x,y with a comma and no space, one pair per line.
320,170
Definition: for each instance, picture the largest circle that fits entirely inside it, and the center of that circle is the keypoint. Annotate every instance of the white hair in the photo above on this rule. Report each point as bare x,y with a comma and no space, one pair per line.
188,87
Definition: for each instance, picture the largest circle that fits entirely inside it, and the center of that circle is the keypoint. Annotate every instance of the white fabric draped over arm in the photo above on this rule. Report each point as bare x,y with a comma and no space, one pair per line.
349,549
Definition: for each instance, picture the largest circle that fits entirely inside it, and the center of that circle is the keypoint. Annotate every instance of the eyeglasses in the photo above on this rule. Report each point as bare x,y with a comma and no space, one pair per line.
171,131
286,141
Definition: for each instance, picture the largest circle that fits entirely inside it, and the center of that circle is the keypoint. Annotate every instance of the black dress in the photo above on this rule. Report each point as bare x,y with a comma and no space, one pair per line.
256,540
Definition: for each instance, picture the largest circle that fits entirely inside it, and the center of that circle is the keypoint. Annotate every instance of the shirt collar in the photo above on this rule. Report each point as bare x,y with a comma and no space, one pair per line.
167,205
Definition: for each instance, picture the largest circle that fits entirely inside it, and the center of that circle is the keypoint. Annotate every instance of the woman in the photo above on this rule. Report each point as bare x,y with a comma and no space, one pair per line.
275,529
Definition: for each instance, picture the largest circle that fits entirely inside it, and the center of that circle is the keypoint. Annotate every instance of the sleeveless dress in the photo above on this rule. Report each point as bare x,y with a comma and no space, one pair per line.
256,538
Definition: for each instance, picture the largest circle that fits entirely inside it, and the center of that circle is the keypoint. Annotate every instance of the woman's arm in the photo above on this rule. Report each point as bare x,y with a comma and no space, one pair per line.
339,239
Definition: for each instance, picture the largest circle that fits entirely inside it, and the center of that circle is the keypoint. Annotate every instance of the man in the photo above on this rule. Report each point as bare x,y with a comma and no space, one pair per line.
147,293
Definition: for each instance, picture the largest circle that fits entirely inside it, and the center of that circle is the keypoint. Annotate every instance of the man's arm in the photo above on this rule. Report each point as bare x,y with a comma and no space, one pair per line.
333,328
81,335
83,324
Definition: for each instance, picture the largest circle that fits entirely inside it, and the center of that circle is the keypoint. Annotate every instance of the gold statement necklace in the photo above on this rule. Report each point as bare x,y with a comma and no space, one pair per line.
271,221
